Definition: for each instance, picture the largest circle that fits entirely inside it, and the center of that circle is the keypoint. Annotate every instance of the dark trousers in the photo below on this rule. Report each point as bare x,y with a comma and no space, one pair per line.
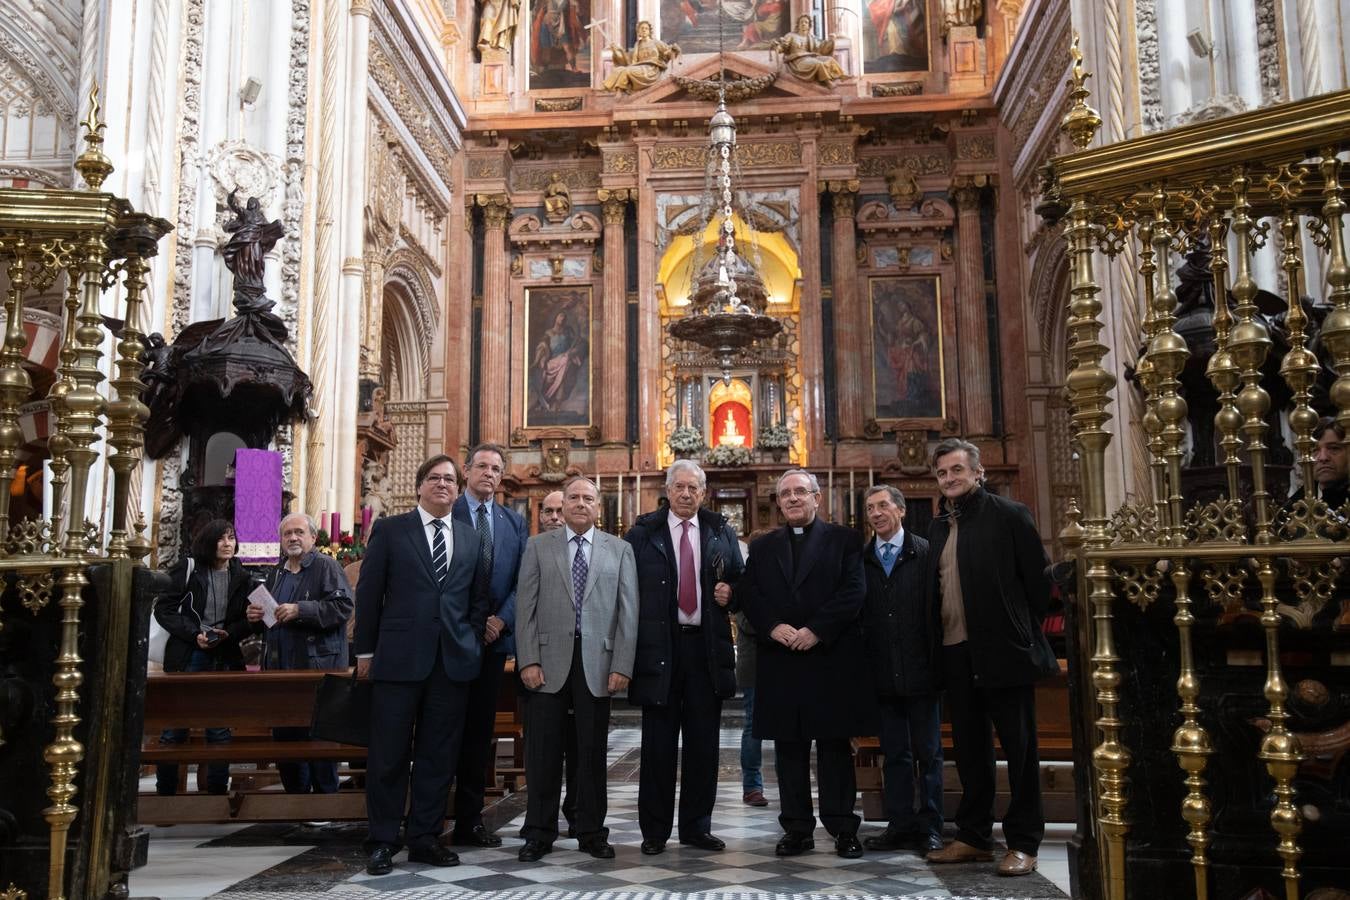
695,710
317,775
569,749
217,774
911,733
834,778
421,722
1012,713
481,718
545,730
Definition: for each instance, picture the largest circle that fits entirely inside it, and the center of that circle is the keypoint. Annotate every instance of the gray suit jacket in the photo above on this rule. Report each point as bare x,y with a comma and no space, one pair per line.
545,617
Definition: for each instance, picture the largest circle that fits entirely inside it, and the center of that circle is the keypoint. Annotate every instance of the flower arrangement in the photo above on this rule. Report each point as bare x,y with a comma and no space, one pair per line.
686,439
345,547
724,455
775,437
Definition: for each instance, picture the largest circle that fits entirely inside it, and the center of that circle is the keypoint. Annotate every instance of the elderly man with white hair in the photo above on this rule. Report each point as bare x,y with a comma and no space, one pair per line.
314,602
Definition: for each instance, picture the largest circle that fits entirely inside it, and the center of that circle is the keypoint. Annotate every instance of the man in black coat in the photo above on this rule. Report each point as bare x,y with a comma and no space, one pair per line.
685,664
803,593
987,571
903,644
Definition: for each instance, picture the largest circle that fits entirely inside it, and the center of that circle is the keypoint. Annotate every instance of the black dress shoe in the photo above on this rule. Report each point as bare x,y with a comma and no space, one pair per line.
381,860
652,847
847,846
478,836
927,844
598,848
794,845
433,855
704,841
533,851
890,839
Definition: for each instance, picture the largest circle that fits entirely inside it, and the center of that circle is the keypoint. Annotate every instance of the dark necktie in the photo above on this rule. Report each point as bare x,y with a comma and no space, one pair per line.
688,589
484,549
579,569
439,560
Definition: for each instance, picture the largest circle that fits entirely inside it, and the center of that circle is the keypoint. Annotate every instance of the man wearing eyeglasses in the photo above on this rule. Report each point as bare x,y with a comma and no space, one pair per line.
420,626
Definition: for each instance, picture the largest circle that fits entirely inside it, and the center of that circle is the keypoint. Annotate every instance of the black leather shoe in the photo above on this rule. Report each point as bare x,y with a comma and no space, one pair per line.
433,855
533,851
847,846
478,836
794,845
704,841
598,848
890,839
652,847
381,860
927,844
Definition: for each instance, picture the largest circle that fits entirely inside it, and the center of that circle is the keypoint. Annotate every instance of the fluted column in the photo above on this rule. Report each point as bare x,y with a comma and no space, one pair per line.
848,325
972,327
494,414
614,361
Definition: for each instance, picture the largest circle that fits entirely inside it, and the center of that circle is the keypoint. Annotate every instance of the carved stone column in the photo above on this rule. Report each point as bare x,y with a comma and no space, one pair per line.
848,324
972,328
614,359
494,416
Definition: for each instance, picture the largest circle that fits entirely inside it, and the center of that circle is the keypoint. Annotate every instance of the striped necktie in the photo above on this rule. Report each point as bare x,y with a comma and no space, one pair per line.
439,560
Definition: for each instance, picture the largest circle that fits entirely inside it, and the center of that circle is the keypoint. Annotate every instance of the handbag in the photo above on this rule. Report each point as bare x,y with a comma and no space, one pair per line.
342,707
159,636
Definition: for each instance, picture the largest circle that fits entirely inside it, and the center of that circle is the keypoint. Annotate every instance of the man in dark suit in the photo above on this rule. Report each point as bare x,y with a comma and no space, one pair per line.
419,630
501,540
685,665
803,593
987,574
903,648
576,631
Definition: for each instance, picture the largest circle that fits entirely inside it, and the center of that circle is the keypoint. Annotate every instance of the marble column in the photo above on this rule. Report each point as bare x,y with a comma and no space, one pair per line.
972,327
848,326
614,359
494,412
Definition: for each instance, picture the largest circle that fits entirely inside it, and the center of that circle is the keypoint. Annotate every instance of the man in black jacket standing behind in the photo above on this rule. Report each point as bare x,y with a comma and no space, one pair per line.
685,665
903,647
987,569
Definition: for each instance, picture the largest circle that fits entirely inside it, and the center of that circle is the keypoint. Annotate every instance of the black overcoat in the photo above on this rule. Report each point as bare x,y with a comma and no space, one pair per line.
658,603
904,633
179,611
1005,588
824,692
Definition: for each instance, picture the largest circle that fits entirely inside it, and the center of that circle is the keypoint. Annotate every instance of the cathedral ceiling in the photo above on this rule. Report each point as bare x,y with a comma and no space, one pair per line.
39,74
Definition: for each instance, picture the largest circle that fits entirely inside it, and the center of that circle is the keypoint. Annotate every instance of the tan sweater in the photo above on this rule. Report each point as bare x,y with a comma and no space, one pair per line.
949,579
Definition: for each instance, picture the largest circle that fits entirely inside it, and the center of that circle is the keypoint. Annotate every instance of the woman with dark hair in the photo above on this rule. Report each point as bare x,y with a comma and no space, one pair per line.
205,614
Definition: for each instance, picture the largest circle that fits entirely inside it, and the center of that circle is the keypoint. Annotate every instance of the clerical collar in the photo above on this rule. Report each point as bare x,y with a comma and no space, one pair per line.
798,531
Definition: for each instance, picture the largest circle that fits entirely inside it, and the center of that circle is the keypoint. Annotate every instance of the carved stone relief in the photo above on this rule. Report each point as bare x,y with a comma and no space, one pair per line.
238,166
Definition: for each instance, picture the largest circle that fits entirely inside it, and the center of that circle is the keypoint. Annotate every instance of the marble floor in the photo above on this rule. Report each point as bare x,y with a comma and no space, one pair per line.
277,862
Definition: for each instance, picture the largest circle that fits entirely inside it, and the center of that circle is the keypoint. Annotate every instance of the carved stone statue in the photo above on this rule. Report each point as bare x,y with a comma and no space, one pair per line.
642,66
557,199
960,12
375,487
497,21
806,57
904,188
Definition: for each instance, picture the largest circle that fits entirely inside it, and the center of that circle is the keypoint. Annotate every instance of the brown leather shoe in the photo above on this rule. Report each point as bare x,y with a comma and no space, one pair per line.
960,852
1015,862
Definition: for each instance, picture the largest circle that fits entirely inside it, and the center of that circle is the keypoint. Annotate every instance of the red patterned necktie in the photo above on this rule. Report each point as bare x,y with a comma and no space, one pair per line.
688,589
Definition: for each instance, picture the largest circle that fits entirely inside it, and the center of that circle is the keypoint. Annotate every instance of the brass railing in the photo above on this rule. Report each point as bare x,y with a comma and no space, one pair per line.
93,239
1227,185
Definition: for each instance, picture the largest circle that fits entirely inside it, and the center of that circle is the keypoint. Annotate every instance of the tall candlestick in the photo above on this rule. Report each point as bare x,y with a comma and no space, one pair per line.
830,494
618,505
637,493
870,479
852,500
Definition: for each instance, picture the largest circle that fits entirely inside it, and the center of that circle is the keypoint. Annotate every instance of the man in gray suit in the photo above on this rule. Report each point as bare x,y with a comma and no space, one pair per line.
576,633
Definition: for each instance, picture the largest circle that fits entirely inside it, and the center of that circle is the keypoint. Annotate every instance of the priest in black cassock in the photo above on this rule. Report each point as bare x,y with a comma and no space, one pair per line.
803,592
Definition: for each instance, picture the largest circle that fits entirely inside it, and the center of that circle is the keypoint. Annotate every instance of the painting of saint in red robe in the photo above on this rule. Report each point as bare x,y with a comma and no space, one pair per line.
906,350
895,36
560,44
558,383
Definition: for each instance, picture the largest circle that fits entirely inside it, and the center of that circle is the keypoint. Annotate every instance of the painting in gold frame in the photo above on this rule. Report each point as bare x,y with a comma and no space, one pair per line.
557,356
908,373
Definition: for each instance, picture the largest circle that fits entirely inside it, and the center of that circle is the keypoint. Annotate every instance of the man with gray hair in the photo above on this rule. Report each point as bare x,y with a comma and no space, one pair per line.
314,602
987,571
685,664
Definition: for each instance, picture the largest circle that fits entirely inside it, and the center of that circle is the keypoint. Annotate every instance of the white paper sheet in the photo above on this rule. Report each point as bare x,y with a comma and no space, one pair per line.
263,598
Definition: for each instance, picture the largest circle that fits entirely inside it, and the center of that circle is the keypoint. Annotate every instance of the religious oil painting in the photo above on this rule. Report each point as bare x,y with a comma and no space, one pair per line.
895,36
558,356
560,44
907,372
705,26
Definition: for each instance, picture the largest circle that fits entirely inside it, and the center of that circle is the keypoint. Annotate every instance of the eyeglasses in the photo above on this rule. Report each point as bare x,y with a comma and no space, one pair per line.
439,479
797,492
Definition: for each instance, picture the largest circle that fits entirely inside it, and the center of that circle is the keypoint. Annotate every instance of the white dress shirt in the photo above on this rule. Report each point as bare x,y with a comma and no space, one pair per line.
430,533
676,525
587,546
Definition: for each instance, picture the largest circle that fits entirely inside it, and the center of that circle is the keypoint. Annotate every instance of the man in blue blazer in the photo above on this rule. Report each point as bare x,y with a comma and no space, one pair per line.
420,622
501,540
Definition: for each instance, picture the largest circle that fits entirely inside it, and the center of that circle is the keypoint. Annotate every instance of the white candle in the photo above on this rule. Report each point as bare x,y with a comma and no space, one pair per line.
870,479
852,500
637,493
618,504
830,493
